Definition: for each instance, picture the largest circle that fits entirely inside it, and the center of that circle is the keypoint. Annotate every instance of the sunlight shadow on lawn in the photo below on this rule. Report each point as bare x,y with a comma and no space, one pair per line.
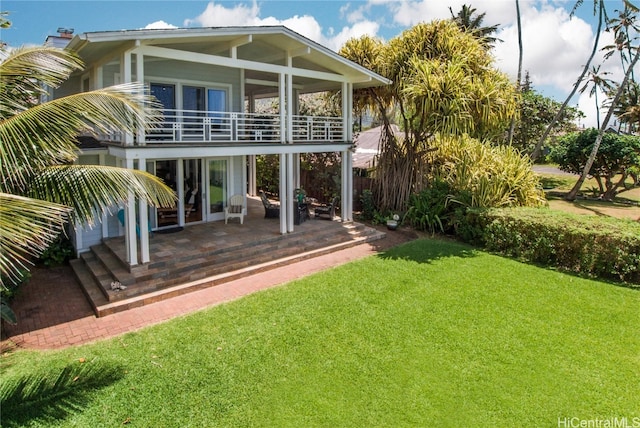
48,397
428,250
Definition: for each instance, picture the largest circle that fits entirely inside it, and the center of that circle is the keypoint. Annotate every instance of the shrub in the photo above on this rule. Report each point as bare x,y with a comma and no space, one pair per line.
485,176
59,252
588,245
618,157
431,210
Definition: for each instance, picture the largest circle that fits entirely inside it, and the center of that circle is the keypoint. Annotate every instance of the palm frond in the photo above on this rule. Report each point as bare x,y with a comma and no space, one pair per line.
27,227
26,72
45,133
93,190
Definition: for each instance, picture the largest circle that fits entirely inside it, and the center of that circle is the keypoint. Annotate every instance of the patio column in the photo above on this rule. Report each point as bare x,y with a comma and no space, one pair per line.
252,175
283,118
290,214
180,190
125,72
140,78
130,224
296,171
143,221
290,108
284,200
346,200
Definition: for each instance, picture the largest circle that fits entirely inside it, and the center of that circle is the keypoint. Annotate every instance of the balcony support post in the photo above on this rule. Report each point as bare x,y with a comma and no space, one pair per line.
140,78
143,221
130,224
284,200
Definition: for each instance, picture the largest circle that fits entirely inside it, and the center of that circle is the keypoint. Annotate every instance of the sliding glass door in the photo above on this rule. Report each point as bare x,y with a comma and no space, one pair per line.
218,181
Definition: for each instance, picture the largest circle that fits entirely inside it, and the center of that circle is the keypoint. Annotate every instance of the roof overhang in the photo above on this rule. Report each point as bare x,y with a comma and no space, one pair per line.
274,45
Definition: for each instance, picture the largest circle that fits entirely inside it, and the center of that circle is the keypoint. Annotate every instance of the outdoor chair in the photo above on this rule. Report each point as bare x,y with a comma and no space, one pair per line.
327,209
271,210
235,208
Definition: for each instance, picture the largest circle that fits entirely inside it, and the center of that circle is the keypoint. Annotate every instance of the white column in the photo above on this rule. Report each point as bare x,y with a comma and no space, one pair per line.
296,171
290,108
349,96
284,200
143,221
344,180
283,118
290,197
140,78
130,224
345,112
252,175
180,190
125,72
348,215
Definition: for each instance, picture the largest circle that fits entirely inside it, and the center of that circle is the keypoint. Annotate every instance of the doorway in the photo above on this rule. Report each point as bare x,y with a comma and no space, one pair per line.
218,182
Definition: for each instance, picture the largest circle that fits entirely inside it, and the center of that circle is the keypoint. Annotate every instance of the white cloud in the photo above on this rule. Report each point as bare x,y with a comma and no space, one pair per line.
216,15
158,25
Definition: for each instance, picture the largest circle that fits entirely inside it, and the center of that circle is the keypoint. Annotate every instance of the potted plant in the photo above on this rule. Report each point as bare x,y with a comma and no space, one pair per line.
392,223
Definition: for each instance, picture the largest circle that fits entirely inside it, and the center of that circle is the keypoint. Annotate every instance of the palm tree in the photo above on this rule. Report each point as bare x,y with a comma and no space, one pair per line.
598,5
41,190
623,26
576,188
597,81
627,110
519,76
470,22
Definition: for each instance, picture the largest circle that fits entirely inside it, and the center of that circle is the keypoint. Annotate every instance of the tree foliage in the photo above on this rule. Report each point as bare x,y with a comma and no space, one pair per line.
535,112
468,20
618,157
41,189
443,82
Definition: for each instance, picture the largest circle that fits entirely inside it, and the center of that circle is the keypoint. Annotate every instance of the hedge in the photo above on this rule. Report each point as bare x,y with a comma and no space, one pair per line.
588,245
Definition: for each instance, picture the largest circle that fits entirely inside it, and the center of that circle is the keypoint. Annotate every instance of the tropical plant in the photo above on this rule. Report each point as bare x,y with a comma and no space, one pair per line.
587,167
469,21
599,8
597,81
41,189
484,176
625,28
627,109
519,75
431,209
535,112
617,158
442,82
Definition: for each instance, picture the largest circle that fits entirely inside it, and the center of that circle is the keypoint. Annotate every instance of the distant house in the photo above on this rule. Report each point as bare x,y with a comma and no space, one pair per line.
208,81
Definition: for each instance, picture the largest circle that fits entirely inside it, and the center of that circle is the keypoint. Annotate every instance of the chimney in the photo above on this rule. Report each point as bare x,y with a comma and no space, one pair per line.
65,33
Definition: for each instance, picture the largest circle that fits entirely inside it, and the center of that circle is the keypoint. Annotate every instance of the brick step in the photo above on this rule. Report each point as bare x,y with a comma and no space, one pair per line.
242,257
170,276
166,293
89,284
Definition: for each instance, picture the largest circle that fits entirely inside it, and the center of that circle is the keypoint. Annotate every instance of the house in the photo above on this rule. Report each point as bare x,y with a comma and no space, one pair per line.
208,81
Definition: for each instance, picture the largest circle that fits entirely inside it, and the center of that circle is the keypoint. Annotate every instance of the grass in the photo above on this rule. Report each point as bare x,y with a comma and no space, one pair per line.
626,205
430,333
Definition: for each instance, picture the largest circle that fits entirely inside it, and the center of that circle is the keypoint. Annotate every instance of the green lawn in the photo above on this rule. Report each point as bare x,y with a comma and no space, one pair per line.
431,333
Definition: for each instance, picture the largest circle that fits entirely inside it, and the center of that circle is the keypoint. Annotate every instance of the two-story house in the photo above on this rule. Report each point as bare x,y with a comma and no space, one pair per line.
208,81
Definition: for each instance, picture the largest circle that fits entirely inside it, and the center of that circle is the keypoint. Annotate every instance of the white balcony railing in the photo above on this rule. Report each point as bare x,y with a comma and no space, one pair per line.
199,126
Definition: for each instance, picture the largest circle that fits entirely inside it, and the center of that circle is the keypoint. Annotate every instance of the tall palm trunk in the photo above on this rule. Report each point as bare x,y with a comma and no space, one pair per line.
538,149
596,146
519,77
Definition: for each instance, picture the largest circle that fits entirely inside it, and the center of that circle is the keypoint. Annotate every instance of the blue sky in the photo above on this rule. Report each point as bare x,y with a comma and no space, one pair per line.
555,45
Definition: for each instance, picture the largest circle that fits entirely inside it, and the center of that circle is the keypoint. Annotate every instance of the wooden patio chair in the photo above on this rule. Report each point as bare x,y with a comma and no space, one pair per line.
327,209
271,210
235,208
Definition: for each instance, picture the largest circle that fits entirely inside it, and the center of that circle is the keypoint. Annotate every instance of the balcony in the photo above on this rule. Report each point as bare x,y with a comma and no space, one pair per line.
192,126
